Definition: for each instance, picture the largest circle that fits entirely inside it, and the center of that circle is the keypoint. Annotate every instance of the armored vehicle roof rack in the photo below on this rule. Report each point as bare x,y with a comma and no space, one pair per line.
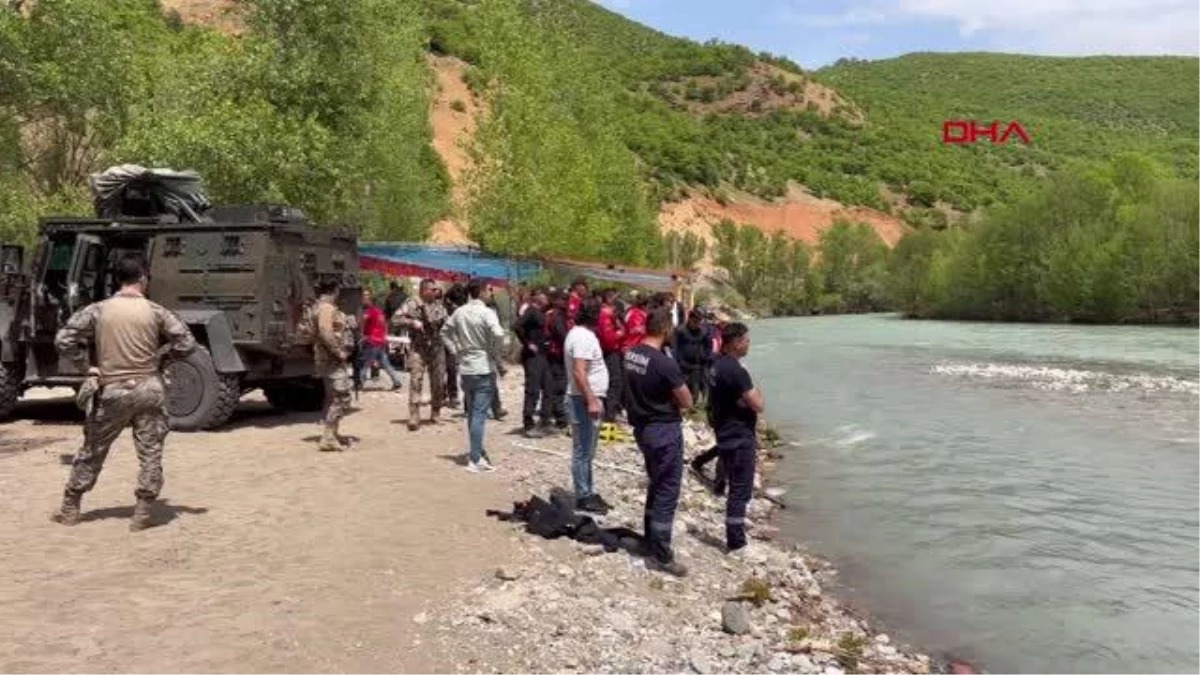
258,213
132,191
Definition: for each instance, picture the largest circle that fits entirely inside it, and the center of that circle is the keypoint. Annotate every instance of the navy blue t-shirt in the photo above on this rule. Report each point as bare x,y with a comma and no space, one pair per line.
727,381
653,377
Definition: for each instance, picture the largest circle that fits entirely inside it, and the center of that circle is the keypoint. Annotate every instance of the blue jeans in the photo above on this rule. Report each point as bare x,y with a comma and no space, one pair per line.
377,353
584,435
479,390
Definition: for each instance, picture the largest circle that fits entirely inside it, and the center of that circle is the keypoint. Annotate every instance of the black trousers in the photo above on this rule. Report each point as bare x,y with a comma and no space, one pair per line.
614,363
739,457
558,390
699,461
451,377
697,383
662,449
538,390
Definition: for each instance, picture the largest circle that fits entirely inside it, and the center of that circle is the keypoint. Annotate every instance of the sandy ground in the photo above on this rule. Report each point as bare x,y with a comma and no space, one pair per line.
270,556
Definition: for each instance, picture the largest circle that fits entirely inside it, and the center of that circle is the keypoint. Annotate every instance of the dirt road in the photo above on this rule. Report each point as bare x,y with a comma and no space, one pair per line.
272,556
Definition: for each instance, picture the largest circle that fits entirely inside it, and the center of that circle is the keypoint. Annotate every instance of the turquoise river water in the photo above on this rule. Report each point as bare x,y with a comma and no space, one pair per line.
1023,497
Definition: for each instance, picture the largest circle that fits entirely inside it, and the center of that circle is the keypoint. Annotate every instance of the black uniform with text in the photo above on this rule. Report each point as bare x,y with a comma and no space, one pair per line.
657,426
734,423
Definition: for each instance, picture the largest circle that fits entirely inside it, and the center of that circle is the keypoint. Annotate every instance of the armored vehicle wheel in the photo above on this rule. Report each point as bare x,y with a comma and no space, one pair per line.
297,396
198,397
10,391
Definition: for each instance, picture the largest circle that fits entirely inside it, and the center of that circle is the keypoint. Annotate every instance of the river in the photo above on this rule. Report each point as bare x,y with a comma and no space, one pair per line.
1020,496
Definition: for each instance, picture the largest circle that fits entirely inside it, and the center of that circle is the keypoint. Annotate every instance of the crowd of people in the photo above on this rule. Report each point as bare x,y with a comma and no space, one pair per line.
593,358
590,359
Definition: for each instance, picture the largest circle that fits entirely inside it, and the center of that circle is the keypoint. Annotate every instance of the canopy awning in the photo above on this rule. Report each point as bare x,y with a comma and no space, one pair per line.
442,263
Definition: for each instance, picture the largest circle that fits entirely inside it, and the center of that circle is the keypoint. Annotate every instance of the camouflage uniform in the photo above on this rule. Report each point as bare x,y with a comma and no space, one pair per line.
129,332
330,351
427,353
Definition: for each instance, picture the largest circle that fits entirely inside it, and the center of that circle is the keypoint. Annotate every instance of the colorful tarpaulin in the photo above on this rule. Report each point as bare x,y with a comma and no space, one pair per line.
454,263
442,263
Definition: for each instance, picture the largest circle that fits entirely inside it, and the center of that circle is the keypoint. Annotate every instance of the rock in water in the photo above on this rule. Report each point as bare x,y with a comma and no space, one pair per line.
735,619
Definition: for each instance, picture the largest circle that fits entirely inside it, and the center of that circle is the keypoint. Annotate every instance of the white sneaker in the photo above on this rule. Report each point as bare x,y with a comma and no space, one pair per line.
485,465
474,467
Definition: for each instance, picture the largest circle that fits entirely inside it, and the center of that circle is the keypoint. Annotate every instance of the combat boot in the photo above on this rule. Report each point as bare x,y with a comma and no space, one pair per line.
342,441
329,441
68,514
141,514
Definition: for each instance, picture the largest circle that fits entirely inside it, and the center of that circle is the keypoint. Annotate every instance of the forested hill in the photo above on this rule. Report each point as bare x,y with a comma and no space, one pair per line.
1075,109
587,122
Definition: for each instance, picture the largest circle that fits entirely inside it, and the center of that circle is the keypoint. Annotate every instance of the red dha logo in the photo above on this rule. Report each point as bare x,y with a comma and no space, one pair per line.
963,131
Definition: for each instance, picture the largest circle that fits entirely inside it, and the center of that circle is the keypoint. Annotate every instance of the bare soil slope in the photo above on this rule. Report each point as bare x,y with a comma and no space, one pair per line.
799,215
453,114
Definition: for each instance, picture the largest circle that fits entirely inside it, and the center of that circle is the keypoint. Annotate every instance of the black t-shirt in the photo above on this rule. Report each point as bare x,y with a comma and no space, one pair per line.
727,381
652,376
531,329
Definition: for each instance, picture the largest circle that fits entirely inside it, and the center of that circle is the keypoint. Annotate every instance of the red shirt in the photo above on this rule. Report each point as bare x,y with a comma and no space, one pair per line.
573,303
635,327
374,327
608,332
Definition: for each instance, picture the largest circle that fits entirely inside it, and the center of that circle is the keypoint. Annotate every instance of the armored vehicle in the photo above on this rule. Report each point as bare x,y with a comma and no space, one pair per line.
240,277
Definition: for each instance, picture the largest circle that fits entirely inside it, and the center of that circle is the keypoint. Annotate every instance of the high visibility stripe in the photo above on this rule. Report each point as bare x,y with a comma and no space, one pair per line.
735,521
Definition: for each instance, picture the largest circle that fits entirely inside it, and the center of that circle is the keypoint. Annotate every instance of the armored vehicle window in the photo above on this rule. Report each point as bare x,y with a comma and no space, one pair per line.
60,256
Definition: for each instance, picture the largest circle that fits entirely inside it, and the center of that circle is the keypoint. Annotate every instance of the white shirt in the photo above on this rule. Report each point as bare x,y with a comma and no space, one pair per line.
582,343
473,333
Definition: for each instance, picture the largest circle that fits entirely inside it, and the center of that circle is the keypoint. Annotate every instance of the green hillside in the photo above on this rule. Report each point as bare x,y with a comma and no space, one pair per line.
593,120
1076,109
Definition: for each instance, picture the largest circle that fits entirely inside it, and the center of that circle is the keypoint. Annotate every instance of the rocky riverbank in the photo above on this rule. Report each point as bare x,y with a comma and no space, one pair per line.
568,607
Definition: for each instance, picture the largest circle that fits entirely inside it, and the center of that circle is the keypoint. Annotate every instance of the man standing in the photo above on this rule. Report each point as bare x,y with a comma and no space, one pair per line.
424,317
454,298
735,407
395,299
531,331
130,335
375,345
579,291
330,354
657,398
556,336
611,333
587,386
635,323
476,338
498,411
692,348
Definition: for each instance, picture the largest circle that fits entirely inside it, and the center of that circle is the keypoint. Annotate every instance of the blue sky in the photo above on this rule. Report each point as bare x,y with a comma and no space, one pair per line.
815,33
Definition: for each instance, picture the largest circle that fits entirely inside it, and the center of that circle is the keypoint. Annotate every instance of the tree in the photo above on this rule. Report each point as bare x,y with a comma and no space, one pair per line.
684,250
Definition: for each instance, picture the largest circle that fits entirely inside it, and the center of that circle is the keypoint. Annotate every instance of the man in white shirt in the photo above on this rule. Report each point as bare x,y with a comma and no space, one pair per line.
587,383
474,336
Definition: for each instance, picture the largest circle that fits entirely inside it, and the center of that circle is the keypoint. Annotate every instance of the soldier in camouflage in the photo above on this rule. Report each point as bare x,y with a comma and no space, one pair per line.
332,344
131,335
424,316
